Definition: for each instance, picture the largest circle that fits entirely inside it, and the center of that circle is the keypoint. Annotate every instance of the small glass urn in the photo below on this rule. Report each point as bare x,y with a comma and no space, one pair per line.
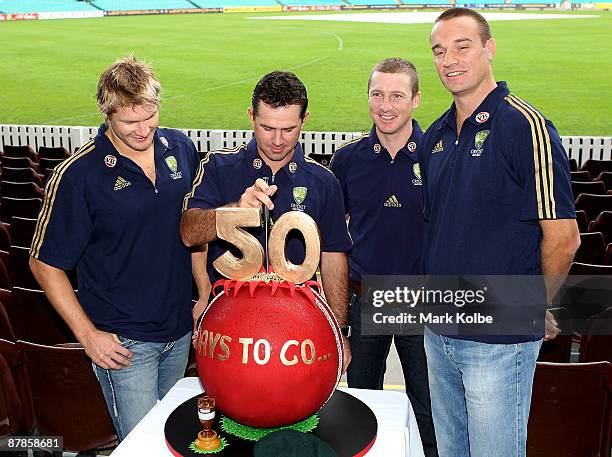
207,439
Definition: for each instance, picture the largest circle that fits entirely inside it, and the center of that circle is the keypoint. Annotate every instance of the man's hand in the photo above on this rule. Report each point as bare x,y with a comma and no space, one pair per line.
551,329
257,194
106,351
347,354
197,311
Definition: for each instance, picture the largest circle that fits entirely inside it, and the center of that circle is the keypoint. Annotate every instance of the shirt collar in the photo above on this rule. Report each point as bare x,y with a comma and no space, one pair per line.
162,146
485,111
376,149
259,169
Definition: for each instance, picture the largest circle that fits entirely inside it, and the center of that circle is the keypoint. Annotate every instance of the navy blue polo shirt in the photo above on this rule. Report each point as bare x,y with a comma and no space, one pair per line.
303,185
486,190
384,199
104,216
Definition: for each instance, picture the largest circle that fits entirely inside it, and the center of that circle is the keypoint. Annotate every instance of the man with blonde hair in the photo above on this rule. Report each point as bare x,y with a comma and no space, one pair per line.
112,210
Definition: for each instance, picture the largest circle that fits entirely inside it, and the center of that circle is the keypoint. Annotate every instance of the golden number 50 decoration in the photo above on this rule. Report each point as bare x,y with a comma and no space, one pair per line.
229,228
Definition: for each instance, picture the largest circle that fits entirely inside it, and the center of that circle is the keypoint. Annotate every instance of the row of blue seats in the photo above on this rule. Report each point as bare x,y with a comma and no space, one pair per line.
27,6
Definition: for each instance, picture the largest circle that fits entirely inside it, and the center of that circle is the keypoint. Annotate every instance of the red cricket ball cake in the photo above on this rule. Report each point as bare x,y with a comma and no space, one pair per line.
269,351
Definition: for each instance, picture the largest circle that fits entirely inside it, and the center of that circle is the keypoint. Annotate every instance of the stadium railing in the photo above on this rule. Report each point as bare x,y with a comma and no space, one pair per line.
580,148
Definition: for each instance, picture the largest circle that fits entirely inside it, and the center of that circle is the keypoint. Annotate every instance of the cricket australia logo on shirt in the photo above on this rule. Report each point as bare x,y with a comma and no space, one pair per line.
416,169
121,183
171,162
392,202
438,148
299,195
479,140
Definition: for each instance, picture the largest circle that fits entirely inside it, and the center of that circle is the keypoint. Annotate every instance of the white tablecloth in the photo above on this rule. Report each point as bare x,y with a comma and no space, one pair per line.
398,434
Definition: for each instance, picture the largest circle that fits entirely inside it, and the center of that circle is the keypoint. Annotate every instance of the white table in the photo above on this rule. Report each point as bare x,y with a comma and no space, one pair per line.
398,434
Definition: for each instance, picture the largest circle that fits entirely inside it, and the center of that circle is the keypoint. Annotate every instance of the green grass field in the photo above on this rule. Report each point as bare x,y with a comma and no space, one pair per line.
209,63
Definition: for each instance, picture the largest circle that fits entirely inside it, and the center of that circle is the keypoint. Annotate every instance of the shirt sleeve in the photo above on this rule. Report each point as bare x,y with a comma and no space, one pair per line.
334,231
338,168
64,224
206,189
544,173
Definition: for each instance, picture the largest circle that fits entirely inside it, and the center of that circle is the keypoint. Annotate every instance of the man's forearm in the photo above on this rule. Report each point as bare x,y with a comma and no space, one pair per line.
59,291
559,244
334,275
200,275
198,226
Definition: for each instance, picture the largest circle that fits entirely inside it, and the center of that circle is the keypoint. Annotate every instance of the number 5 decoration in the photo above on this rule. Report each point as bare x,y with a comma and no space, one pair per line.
229,228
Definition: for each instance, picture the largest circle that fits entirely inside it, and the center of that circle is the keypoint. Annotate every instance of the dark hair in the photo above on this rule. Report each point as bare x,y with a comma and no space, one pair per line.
452,13
278,89
397,65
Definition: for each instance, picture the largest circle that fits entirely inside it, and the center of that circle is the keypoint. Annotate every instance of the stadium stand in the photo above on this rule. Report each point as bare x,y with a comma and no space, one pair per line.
127,5
43,6
232,3
372,2
312,2
588,187
581,176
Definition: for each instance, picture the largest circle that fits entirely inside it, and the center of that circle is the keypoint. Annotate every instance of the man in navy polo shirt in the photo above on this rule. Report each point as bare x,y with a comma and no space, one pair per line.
381,182
236,177
498,201
113,210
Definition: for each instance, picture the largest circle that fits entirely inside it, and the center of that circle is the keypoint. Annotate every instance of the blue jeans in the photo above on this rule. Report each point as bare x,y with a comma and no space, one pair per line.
368,366
480,395
132,391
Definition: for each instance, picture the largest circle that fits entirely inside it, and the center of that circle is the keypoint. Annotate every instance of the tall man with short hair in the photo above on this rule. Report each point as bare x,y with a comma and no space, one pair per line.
498,201
113,210
381,183
237,177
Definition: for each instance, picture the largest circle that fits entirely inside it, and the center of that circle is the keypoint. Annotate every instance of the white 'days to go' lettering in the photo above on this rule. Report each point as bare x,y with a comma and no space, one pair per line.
260,351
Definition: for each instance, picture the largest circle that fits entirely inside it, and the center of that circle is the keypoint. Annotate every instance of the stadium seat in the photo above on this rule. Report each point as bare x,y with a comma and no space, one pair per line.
19,268
46,164
577,176
571,409
606,178
594,204
322,159
585,269
596,341
595,167
559,349
5,238
22,231
10,404
592,249
15,360
58,153
609,254
22,175
573,165
21,190
67,397
19,151
19,162
603,223
20,207
47,328
582,221
591,187
5,281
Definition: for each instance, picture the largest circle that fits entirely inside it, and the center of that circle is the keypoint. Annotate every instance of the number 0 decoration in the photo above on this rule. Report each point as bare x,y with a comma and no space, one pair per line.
229,223
269,349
